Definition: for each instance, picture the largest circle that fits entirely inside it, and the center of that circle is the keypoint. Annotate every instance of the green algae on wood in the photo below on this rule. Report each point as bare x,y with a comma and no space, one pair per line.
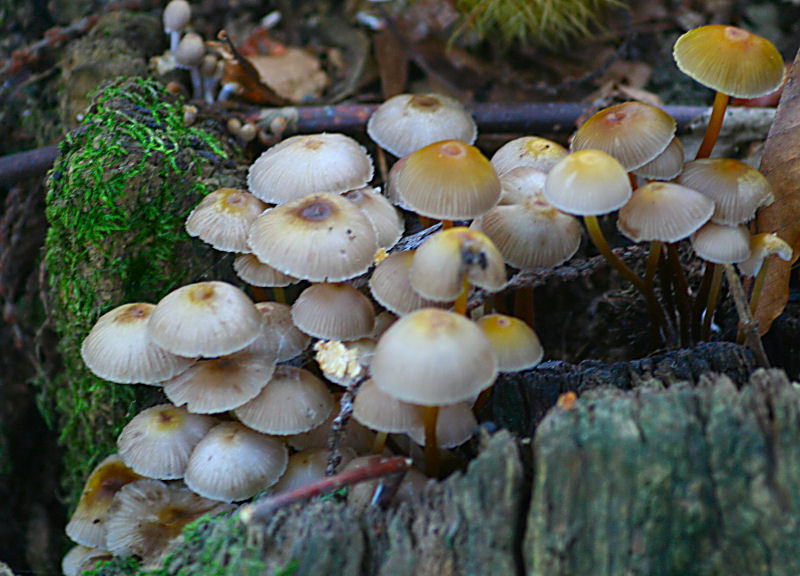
117,199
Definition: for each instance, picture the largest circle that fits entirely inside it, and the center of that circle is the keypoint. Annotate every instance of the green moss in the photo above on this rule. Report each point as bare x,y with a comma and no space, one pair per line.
118,196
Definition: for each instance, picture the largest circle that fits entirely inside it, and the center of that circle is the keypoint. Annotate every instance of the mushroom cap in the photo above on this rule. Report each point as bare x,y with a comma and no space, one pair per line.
632,132
233,462
157,442
515,344
333,312
666,165
343,363
119,348
447,179
309,164
761,246
521,183
87,525
736,189
388,223
176,15
355,436
279,332
253,271
533,151
433,357
382,412
407,122
293,401
531,235
730,60
223,219
665,212
390,285
321,238
446,258
455,424
190,50
205,319
146,516
220,384
308,466
722,244
81,558
588,183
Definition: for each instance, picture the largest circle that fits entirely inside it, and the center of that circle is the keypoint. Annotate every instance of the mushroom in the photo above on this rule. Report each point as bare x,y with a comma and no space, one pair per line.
333,311
761,247
390,285
81,558
732,61
223,219
385,217
666,165
279,332
175,17
189,55
533,151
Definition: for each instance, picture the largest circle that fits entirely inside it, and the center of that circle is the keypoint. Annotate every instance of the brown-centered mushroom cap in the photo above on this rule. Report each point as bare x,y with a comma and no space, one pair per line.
408,122
632,132
157,442
444,259
204,319
293,401
665,212
433,357
730,60
309,164
333,312
447,179
321,238
223,219
588,183
533,151
119,349
233,462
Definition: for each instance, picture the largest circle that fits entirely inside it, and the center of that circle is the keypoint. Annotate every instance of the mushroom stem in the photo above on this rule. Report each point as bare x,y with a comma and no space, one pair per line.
652,263
279,294
714,125
682,288
667,289
259,293
446,224
383,169
596,234
713,294
430,414
758,284
460,305
380,442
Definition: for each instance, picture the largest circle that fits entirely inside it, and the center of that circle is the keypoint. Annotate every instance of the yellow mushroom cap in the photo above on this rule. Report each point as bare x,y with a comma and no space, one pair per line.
321,238
390,285
447,179
533,151
309,164
736,189
157,442
148,515
665,212
293,401
408,122
87,525
333,312
233,462
588,183
722,244
204,319
256,273
515,344
632,132
279,332
730,60
761,246
531,235
220,384
433,357
388,223
223,219
444,259
666,165
119,348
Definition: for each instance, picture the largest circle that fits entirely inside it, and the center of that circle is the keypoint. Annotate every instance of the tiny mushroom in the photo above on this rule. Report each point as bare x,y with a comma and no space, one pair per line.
533,151
223,219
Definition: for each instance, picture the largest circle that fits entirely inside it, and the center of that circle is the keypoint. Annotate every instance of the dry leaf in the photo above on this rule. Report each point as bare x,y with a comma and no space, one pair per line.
781,165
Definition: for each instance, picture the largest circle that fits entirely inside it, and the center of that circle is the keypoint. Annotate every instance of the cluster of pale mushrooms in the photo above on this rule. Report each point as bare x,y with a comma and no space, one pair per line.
241,421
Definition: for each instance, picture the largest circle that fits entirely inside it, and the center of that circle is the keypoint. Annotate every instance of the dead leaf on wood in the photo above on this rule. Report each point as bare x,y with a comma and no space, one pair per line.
781,165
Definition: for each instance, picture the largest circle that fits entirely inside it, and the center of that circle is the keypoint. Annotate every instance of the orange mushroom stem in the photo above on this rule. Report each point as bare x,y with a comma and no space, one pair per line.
714,125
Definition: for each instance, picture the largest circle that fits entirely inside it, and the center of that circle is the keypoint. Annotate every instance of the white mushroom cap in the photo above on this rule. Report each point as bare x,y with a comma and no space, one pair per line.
722,244
81,558
205,319
233,462
176,15
390,285
761,246
280,333
223,219
119,348
533,151
380,411
333,312
408,122
666,165
309,164
388,223
191,50
256,273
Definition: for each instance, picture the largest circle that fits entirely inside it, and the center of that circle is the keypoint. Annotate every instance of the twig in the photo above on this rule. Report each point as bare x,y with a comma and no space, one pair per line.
750,328
374,468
